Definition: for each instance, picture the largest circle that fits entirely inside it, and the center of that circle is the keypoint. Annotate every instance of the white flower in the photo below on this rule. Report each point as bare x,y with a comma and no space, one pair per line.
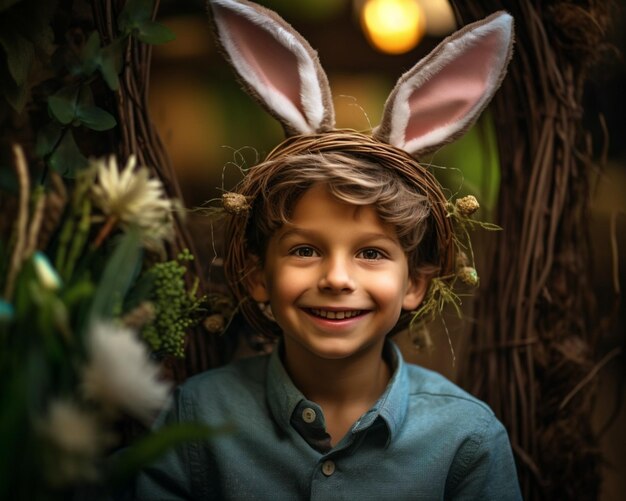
47,275
78,440
134,199
120,374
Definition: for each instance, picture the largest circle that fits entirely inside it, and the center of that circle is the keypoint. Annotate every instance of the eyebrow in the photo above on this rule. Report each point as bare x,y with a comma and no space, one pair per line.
312,234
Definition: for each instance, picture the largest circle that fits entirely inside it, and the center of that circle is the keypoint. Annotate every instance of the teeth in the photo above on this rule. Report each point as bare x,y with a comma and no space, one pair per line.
335,315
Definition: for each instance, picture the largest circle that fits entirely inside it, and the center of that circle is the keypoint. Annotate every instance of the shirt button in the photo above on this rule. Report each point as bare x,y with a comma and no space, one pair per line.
308,415
328,468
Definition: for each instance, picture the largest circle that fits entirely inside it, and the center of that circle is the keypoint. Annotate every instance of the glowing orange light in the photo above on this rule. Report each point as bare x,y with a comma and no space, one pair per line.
393,26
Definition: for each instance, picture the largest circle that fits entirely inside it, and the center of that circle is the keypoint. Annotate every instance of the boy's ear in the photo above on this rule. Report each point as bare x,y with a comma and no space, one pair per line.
255,282
415,293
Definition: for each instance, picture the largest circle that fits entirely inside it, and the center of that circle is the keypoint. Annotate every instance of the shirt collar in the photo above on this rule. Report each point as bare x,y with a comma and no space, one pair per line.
282,395
391,407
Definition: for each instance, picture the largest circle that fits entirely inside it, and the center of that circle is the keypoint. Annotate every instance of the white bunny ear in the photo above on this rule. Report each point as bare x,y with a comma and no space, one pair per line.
441,97
277,66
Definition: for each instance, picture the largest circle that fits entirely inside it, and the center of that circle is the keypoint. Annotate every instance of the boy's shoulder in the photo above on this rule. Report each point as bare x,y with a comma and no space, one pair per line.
239,380
438,391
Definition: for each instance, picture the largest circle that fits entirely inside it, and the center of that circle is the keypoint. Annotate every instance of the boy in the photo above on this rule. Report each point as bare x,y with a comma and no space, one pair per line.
337,235
334,412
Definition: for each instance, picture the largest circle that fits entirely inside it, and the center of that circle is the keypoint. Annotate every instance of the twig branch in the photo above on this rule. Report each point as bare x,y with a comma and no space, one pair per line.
18,256
590,375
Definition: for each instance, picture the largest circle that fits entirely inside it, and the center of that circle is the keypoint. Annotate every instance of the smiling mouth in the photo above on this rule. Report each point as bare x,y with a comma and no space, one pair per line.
335,315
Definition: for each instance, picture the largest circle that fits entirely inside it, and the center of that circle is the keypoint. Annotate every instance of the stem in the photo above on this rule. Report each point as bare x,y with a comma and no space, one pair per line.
22,220
35,224
105,230
64,239
79,240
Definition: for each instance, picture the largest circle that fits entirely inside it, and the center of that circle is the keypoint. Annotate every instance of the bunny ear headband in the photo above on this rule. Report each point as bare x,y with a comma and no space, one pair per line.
432,104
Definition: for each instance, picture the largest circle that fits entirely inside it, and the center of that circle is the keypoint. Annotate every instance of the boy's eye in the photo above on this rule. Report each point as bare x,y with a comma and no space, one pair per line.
371,254
304,251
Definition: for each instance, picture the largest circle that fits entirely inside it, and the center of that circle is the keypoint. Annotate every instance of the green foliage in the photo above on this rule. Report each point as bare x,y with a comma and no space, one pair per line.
67,159
48,138
110,63
48,331
26,38
74,105
20,53
93,57
118,275
43,351
63,104
154,33
175,307
135,19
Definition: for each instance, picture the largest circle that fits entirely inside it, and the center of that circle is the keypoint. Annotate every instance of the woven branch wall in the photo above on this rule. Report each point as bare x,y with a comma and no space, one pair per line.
138,135
536,337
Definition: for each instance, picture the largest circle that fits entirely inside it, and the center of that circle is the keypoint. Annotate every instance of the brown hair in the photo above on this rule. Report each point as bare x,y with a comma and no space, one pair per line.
358,170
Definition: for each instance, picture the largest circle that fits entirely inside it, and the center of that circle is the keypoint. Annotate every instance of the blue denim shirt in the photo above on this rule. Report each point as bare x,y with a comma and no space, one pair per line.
425,438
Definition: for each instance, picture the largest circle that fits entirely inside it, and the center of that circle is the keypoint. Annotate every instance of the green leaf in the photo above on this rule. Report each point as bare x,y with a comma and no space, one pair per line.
117,276
22,298
20,53
111,64
153,33
90,54
96,118
62,104
134,13
67,159
16,95
85,97
149,448
47,138
142,291
78,292
89,115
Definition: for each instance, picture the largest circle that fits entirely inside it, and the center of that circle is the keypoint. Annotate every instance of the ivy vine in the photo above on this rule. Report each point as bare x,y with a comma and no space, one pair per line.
27,39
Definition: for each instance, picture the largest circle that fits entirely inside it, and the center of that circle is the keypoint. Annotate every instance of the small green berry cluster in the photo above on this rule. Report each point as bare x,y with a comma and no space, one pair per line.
174,306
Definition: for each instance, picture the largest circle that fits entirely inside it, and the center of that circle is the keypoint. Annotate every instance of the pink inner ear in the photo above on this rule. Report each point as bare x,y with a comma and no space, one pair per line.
274,65
451,93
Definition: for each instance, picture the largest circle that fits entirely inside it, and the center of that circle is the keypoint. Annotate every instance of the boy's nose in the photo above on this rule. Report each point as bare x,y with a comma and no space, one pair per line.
337,276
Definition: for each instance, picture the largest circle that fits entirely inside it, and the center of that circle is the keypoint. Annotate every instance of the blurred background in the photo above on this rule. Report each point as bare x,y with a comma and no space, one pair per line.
211,129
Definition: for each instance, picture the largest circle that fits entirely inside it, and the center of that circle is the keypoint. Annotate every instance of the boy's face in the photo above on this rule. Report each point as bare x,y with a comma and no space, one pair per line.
336,278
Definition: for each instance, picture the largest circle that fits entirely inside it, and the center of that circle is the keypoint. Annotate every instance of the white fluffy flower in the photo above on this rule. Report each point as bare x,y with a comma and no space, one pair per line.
120,374
134,199
72,429
78,438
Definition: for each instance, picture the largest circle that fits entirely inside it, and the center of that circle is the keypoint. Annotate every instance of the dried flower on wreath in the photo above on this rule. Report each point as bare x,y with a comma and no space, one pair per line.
235,203
466,206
